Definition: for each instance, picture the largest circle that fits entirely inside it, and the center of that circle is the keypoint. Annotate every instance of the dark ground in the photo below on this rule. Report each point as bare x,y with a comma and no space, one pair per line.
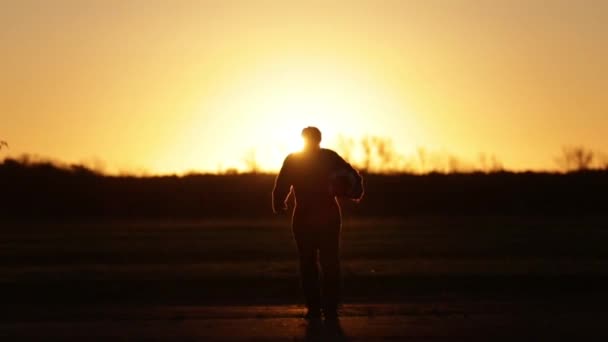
419,278
417,320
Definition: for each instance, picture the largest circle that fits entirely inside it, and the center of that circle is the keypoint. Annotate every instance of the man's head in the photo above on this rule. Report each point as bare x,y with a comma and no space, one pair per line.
312,137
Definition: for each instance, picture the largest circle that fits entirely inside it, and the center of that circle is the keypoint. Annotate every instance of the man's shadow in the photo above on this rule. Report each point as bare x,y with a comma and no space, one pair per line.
318,330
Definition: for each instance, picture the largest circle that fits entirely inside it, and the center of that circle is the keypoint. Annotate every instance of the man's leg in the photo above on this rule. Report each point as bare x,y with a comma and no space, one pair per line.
308,246
330,264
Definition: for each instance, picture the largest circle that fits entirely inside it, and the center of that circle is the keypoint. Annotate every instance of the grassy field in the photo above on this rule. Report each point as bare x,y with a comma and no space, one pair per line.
254,262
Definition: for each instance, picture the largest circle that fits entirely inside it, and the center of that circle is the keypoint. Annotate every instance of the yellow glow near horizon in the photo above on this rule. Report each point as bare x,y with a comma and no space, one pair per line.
171,87
275,101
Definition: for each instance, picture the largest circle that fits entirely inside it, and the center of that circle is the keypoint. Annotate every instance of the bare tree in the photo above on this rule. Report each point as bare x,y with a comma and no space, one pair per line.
603,161
483,162
390,160
379,154
366,143
495,164
455,165
422,158
575,158
3,143
346,147
251,162
386,152
489,164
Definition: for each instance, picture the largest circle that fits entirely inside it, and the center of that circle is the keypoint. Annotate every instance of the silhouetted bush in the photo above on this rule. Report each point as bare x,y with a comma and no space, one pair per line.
43,191
576,158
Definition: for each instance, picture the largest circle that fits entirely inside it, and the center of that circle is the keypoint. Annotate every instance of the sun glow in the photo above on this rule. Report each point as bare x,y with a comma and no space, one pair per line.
287,100
209,86
266,107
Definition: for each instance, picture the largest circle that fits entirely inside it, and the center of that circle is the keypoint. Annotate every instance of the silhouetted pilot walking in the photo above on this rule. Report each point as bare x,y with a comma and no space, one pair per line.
316,222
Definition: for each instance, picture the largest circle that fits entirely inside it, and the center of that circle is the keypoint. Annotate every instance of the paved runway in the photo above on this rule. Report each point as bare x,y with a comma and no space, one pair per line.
422,320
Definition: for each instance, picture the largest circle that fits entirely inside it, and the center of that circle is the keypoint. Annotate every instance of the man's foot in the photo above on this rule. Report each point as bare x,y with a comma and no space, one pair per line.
312,314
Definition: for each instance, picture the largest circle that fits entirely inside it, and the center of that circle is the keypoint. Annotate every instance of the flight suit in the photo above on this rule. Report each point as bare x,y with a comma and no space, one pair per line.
316,221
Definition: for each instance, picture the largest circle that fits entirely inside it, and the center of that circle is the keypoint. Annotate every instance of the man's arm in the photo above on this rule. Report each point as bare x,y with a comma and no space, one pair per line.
282,188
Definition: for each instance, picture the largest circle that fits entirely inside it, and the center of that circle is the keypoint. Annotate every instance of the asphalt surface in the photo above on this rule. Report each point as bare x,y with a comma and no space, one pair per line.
422,320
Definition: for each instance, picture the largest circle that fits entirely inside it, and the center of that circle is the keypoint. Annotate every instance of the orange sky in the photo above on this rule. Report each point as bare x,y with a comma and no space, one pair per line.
172,86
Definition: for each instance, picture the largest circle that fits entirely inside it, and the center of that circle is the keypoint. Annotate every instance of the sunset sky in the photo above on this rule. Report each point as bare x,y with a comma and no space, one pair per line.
173,86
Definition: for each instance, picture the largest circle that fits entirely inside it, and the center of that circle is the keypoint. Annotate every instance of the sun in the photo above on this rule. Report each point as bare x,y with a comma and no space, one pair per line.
260,115
294,144
283,99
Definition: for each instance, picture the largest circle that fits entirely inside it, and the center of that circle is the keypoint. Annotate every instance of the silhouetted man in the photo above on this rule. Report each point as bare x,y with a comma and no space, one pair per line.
316,220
